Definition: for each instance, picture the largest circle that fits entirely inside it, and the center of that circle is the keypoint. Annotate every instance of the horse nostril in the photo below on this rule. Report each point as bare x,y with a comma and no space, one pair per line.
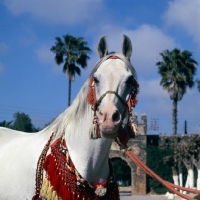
100,112
116,116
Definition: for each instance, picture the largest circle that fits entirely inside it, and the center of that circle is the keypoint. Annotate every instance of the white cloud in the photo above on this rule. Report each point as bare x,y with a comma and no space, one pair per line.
185,14
154,97
56,11
147,41
155,102
151,89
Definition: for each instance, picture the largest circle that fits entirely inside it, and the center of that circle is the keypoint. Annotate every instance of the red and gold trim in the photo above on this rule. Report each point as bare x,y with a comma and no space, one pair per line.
63,182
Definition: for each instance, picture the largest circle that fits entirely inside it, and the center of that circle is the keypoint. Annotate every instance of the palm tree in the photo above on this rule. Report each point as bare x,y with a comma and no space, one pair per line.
177,70
73,52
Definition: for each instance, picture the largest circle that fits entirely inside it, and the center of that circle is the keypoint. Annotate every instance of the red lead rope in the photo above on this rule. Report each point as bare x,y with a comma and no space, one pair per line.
167,184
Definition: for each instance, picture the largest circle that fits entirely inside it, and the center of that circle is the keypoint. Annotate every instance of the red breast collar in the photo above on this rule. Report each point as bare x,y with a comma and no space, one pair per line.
63,180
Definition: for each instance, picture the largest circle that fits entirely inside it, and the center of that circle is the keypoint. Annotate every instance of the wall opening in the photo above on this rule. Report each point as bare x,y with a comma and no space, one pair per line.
122,172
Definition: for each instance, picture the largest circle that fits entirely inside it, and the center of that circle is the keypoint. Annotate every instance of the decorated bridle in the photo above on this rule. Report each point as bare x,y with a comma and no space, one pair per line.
129,130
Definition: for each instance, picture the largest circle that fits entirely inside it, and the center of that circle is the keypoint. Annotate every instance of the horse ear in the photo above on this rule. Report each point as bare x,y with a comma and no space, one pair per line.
102,48
127,47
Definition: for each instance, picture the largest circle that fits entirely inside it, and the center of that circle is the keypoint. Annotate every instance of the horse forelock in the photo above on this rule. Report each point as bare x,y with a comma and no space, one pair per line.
128,64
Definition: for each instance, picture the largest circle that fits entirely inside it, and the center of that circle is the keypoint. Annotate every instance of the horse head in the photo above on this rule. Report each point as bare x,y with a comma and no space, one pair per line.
113,90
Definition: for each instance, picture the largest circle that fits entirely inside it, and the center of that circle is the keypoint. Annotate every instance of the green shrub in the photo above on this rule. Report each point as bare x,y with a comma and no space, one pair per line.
155,163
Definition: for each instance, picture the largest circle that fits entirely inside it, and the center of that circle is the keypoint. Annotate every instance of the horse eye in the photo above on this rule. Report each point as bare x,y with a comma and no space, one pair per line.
96,80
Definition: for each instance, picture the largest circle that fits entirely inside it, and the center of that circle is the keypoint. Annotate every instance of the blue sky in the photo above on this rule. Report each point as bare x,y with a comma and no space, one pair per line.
32,83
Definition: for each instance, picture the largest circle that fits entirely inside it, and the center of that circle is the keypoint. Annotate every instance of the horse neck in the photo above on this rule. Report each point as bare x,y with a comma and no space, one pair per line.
89,156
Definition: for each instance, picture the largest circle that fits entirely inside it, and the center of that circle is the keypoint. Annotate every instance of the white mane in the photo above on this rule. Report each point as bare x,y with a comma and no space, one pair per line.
74,114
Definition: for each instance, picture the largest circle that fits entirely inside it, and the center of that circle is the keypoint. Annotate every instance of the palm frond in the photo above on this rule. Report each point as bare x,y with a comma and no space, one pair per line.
177,70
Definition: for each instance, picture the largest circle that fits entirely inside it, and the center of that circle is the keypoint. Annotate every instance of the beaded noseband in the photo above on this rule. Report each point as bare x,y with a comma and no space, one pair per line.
110,92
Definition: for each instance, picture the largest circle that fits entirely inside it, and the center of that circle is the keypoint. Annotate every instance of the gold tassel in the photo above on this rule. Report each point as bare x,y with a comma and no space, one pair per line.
54,196
93,132
45,186
134,128
94,129
49,193
132,124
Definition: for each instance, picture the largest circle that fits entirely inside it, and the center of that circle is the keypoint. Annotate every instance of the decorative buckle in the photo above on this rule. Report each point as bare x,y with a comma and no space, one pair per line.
100,190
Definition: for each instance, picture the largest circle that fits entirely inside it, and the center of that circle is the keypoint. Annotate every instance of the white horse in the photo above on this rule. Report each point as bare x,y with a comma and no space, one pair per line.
111,81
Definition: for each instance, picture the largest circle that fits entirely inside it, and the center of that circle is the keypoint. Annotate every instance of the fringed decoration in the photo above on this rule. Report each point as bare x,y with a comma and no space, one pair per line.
94,130
133,126
91,97
54,196
39,171
62,180
132,101
49,193
45,186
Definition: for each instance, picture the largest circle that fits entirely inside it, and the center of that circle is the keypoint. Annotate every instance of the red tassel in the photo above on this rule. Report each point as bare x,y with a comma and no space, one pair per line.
132,101
73,195
52,169
61,188
56,181
66,194
132,133
91,97
46,162
98,131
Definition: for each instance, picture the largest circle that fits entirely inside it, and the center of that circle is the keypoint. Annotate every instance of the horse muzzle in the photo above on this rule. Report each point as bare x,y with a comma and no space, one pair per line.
109,121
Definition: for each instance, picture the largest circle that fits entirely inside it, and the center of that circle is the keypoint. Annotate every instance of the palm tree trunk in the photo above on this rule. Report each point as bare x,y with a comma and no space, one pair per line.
198,178
180,174
175,174
69,92
174,116
190,169
196,163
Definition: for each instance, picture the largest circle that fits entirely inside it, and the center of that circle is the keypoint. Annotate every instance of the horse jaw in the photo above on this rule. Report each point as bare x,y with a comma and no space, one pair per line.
109,130
109,135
